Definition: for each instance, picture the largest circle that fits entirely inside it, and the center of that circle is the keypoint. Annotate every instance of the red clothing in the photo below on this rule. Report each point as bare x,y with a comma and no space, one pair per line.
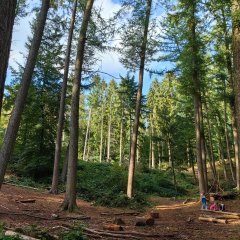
213,207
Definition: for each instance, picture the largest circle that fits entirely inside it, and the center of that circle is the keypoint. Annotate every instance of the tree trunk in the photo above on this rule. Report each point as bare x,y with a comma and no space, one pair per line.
70,196
86,136
236,72
109,132
159,155
211,155
197,104
101,140
7,16
221,156
170,160
227,136
14,121
150,152
121,140
65,166
131,169
58,145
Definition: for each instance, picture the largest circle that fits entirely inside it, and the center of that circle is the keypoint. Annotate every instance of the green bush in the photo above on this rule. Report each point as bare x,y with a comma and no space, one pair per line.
106,185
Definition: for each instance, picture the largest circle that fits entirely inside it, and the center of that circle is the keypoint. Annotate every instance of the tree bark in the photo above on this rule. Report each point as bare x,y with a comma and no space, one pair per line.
14,121
109,132
70,196
86,136
236,72
132,161
7,16
211,155
227,135
121,140
58,145
65,166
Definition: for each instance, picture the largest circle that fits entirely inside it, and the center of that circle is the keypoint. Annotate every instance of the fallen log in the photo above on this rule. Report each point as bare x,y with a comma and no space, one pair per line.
113,227
119,213
214,220
222,212
121,236
15,234
221,196
141,234
144,221
26,201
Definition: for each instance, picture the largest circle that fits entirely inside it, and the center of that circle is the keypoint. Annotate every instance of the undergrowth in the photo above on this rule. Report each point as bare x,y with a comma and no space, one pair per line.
105,184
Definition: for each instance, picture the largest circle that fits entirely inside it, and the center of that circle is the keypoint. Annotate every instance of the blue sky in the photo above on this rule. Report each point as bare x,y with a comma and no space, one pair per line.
109,61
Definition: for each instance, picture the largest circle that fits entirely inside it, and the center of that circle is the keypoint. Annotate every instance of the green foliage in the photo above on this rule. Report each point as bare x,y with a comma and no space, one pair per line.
3,237
75,234
105,184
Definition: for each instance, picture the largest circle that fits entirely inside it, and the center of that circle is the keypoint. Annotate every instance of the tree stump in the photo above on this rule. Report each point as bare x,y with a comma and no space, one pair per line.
144,221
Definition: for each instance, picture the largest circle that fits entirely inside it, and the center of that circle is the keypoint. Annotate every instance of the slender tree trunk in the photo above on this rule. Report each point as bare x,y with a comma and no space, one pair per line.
86,136
65,166
109,132
131,169
150,152
14,121
159,155
190,160
221,157
236,73
211,155
7,16
171,164
121,140
227,136
70,196
58,145
101,140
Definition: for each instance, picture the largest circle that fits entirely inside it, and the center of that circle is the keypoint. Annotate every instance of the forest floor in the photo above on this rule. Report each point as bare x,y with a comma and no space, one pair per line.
176,220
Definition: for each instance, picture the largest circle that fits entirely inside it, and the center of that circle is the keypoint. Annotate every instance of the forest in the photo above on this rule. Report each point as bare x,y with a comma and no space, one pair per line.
124,109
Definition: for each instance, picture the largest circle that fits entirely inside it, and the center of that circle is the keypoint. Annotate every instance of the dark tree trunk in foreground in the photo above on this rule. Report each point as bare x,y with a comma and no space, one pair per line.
7,15
132,161
236,73
70,196
58,145
14,121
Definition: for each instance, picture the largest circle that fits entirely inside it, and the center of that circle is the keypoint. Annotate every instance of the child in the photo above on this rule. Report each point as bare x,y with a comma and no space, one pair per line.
222,207
214,207
204,202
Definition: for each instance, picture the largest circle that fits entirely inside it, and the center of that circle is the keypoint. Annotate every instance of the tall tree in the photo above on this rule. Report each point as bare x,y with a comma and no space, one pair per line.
70,196
236,70
58,145
14,121
142,55
7,15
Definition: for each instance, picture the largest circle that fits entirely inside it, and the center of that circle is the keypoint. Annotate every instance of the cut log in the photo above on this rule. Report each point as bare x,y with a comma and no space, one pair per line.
154,214
15,234
113,227
214,220
119,213
222,212
118,221
144,221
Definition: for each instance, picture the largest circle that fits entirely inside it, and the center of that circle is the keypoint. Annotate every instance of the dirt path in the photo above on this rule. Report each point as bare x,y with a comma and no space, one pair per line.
176,219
